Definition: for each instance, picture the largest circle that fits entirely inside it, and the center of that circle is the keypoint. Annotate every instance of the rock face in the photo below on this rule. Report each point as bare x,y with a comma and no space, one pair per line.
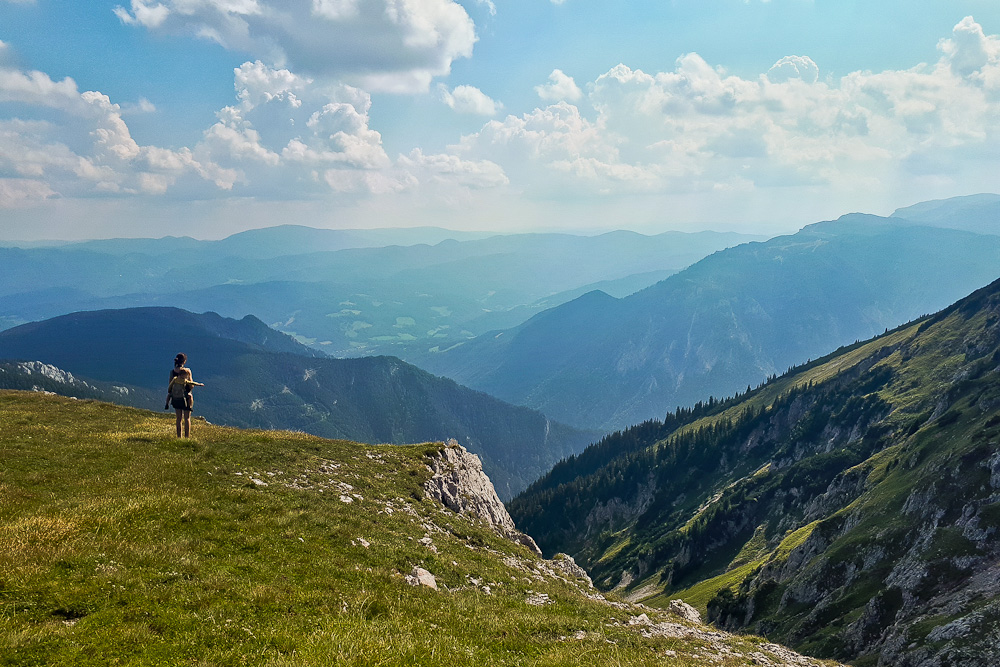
460,484
49,371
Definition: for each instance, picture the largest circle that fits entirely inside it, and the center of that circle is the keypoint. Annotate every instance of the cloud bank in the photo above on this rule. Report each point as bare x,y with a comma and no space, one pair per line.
88,151
301,133
695,128
394,45
287,137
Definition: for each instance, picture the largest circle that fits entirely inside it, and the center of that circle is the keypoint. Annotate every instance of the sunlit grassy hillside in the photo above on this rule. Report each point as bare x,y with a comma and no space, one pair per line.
120,544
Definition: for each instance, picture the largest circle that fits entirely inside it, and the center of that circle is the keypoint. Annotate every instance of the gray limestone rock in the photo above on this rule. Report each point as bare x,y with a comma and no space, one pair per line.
421,577
460,484
685,611
566,563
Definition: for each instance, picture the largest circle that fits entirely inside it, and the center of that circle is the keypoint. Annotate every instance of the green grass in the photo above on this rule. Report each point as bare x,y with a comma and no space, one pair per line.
699,595
755,548
793,540
120,544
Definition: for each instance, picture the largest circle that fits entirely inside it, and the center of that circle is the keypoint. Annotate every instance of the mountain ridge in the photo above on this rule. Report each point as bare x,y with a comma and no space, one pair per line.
257,377
845,507
353,301
977,213
729,320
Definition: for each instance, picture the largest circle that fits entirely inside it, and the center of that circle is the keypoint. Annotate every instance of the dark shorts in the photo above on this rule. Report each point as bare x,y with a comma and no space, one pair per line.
179,404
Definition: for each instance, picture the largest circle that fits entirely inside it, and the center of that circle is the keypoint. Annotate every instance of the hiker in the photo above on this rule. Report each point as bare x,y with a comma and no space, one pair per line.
179,394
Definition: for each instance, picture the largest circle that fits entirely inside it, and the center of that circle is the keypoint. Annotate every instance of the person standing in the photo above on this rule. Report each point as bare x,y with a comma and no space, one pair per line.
179,394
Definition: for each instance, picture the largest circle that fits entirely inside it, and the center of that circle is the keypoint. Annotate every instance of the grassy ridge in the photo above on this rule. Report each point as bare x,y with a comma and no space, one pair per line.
120,544
257,378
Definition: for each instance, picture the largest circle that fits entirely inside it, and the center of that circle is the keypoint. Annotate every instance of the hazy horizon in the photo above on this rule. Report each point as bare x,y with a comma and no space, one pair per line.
486,233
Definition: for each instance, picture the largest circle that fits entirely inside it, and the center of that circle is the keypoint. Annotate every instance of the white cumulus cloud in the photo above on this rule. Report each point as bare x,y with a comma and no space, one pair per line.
285,137
695,128
560,87
394,45
86,149
287,132
794,67
469,99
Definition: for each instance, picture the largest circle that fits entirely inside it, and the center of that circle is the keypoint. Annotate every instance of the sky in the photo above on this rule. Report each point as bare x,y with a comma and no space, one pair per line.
147,118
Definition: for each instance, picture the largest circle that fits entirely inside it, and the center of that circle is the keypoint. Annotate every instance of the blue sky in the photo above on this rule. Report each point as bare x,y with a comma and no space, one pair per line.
206,117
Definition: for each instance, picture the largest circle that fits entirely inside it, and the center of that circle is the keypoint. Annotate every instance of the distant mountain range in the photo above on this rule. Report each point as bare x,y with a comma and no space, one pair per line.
849,508
257,377
340,291
265,242
728,321
973,213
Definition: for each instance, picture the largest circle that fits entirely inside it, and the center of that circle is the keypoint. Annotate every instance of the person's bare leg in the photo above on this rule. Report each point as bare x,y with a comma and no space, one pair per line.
189,401
180,416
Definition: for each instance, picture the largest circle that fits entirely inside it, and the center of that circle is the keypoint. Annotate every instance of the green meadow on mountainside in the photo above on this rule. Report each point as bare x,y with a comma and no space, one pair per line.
120,544
849,509
259,378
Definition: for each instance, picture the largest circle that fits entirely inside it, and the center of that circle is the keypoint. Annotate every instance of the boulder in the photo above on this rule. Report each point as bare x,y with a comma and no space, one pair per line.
421,577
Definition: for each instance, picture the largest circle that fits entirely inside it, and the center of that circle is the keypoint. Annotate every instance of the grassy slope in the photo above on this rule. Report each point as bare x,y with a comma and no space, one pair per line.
252,382
121,545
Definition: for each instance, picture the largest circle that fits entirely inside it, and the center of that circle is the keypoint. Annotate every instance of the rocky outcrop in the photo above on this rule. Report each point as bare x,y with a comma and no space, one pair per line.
49,371
764,654
459,483
568,566
684,610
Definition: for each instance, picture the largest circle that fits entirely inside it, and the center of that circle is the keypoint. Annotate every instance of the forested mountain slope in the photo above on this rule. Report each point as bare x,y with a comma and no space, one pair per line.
730,320
850,508
257,377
